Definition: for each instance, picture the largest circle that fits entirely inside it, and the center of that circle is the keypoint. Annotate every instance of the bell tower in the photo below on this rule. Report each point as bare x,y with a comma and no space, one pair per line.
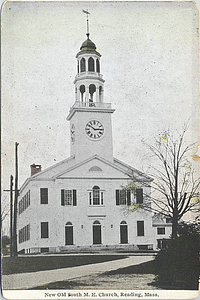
90,116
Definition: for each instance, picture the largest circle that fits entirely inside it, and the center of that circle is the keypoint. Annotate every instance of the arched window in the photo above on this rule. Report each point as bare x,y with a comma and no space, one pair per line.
96,233
100,94
82,90
97,66
123,232
83,64
68,224
91,64
96,196
95,169
123,223
68,233
96,222
92,91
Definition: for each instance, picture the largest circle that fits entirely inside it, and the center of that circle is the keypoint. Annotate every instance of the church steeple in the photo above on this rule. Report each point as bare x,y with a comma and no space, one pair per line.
89,83
90,116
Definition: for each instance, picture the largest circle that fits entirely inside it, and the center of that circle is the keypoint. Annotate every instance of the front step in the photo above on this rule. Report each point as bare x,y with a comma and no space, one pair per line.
98,248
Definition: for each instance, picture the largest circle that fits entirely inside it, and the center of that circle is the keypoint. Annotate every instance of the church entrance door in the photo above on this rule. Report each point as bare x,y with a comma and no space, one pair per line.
69,234
123,233
96,233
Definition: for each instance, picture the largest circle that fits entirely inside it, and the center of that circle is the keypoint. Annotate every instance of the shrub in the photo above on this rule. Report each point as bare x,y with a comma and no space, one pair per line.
177,267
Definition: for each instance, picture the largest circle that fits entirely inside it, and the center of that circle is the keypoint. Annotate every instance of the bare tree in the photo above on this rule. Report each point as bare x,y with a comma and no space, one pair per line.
175,191
5,210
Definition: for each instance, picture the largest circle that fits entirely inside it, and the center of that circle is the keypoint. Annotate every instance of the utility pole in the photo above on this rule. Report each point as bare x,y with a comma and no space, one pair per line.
11,216
15,203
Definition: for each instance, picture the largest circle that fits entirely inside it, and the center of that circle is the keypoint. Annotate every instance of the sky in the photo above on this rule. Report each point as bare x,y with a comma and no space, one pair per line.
149,63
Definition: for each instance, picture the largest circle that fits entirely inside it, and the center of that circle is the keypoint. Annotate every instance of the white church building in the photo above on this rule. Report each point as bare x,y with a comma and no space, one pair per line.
90,200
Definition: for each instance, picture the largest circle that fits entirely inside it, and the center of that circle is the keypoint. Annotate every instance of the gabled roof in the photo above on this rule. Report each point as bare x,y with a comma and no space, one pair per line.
130,170
94,166
94,159
123,170
48,173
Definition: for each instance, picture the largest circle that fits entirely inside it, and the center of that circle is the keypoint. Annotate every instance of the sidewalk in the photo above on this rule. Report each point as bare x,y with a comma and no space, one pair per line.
34,279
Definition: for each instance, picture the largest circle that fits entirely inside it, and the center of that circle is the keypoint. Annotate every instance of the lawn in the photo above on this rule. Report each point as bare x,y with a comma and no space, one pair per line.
13,265
132,277
144,268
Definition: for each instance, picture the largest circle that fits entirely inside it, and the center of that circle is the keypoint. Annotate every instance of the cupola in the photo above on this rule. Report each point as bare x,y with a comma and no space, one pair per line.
88,81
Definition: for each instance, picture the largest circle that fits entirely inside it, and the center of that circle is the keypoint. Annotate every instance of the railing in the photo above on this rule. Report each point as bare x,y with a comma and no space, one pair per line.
78,104
89,73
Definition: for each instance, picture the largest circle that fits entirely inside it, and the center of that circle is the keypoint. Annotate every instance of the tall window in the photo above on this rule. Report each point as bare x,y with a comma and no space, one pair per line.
68,198
123,197
82,64
97,66
96,196
44,230
139,196
24,234
91,64
140,228
82,90
24,202
44,196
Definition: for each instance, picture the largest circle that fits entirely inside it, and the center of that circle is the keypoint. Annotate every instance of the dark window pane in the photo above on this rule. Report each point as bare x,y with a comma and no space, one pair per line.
140,228
161,230
139,196
82,64
91,64
123,197
98,65
44,230
44,196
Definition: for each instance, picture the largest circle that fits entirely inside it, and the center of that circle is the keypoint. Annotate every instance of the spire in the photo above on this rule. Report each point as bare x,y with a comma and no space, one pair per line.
87,13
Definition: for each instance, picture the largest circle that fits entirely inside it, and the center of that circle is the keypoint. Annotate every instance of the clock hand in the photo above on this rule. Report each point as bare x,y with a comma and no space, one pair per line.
97,128
91,127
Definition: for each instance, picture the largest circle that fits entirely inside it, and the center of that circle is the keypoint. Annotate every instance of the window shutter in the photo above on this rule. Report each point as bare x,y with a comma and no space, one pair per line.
139,196
128,197
74,198
62,197
117,197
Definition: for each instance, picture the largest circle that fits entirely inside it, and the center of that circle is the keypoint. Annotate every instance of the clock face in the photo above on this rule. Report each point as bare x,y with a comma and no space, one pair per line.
73,133
94,129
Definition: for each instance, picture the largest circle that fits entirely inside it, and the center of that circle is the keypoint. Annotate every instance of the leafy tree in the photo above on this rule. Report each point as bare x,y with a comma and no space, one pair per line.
175,191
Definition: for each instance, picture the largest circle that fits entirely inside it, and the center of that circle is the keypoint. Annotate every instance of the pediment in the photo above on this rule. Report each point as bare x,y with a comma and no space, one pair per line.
97,167
94,167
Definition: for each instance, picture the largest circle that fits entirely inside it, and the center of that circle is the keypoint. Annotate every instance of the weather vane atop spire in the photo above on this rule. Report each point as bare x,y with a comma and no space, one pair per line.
87,12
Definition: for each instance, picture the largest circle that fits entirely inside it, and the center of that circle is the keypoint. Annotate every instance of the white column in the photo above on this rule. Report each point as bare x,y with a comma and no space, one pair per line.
101,95
86,64
95,64
97,93
79,67
78,93
87,94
